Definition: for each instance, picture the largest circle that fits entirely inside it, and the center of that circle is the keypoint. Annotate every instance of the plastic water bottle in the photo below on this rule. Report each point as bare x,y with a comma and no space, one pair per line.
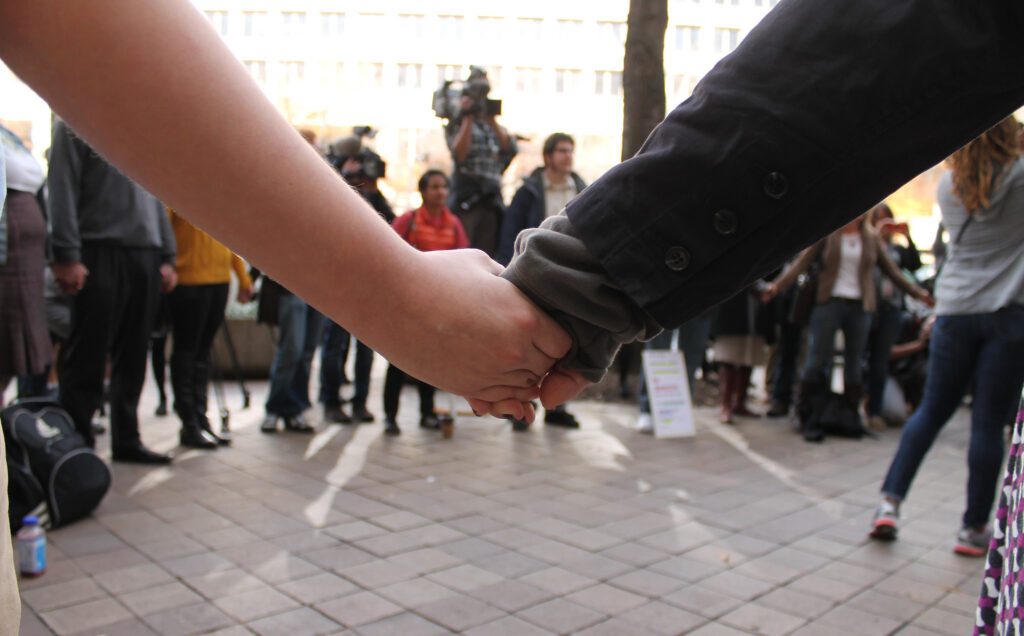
31,540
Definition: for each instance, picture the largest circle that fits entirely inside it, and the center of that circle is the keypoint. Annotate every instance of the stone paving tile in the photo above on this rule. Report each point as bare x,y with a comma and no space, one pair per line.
133,578
758,619
511,596
194,619
72,592
698,600
942,621
358,609
377,574
606,599
298,622
660,618
459,612
557,581
856,621
802,604
507,626
77,618
224,583
415,592
647,583
320,587
247,606
561,616
716,629
406,624
157,599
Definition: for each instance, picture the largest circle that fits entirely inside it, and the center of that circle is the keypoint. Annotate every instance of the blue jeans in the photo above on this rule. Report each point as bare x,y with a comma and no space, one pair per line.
790,339
988,348
332,363
884,332
299,329
827,319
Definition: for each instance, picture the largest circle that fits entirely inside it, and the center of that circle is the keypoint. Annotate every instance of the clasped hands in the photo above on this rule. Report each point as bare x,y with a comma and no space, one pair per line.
472,333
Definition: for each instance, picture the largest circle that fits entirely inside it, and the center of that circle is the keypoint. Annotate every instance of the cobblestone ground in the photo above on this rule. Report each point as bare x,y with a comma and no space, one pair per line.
742,530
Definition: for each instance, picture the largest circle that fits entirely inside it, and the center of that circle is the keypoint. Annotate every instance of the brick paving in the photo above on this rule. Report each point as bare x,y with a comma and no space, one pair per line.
741,530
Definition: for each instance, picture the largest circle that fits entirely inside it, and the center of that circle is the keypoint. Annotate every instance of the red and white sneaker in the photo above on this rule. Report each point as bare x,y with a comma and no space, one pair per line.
885,525
972,543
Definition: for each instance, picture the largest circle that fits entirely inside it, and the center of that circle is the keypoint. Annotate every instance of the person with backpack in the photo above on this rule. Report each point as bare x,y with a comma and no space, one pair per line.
978,338
430,227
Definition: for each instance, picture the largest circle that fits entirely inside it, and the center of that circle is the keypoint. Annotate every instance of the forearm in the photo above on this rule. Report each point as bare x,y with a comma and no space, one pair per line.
165,90
463,139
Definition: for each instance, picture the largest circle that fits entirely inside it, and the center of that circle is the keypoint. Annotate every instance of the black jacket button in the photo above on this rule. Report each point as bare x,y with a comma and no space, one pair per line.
776,185
677,259
725,222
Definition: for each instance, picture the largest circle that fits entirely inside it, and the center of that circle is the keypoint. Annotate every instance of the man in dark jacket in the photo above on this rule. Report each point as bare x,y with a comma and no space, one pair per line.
113,250
544,193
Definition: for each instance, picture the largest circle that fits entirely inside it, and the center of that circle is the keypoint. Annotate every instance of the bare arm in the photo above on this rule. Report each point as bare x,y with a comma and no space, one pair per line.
463,139
153,75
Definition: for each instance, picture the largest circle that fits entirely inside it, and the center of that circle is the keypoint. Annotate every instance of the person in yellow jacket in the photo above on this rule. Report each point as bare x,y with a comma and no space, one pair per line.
197,311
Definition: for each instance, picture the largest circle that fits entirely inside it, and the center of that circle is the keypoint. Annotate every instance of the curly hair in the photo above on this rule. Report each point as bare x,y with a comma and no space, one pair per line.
975,166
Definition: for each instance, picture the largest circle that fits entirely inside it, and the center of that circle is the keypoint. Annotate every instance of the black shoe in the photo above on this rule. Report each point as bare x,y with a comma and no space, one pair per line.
391,427
139,455
334,414
223,438
360,414
431,422
161,409
520,425
269,424
298,424
195,437
778,409
560,418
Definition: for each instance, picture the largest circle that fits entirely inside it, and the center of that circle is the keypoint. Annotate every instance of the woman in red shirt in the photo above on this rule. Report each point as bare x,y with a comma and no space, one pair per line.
428,228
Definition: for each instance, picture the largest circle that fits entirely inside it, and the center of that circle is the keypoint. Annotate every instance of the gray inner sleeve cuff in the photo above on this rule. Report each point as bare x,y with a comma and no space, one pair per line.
553,267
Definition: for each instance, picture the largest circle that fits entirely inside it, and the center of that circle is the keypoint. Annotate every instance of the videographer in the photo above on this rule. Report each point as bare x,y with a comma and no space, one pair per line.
361,168
482,150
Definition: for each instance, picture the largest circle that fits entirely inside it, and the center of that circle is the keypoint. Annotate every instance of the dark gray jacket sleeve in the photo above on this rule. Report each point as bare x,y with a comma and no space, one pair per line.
826,107
168,243
63,181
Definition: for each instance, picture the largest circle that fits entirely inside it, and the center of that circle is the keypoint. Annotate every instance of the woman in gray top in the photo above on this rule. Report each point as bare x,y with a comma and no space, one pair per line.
978,340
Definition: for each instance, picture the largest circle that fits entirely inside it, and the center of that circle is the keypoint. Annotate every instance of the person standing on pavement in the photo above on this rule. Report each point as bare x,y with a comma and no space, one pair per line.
978,338
113,249
543,194
429,228
197,306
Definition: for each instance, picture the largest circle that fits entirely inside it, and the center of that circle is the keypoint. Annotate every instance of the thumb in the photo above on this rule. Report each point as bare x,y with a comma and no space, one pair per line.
560,386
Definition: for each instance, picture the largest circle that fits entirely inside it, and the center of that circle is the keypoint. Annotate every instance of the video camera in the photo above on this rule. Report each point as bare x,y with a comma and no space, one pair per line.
476,87
373,167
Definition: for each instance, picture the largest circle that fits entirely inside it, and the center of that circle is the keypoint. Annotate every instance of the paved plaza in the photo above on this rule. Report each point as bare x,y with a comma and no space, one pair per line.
600,531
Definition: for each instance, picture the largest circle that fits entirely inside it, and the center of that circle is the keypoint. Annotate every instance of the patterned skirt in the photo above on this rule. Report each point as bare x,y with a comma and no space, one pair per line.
1001,605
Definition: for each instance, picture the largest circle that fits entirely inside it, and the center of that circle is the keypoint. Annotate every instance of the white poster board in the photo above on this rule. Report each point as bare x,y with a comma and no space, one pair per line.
669,391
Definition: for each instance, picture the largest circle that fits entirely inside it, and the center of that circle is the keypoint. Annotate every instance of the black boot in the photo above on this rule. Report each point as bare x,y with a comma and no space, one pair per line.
182,376
201,382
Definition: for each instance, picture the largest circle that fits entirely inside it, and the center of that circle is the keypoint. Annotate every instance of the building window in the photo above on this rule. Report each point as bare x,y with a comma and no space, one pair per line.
333,24
608,82
687,38
293,23
567,80
489,29
528,80
257,70
372,74
372,26
530,29
410,75
410,27
612,33
726,40
451,27
254,23
447,72
219,20
570,30
294,72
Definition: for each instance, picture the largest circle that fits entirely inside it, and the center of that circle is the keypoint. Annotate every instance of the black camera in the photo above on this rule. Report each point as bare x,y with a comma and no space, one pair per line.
372,166
477,87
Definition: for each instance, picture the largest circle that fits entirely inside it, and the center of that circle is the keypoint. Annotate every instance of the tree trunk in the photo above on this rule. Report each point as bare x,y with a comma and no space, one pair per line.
643,73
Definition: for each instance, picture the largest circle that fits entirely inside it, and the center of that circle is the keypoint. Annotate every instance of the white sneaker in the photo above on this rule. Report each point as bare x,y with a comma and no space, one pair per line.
645,423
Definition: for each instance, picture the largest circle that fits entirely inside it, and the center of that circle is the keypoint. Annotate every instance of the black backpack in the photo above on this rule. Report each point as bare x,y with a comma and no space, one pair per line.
823,413
51,472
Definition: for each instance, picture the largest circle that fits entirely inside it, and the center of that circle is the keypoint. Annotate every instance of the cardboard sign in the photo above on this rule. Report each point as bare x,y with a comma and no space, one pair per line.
669,391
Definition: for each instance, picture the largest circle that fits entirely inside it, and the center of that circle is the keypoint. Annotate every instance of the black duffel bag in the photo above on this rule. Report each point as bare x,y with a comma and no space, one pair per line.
52,473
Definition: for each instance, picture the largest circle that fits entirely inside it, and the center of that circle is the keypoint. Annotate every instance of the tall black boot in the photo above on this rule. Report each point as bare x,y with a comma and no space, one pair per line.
201,382
808,402
182,383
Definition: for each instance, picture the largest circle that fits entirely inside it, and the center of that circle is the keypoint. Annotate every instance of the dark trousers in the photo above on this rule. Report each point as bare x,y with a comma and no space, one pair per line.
333,354
393,383
482,222
988,348
885,329
113,314
786,357
197,312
